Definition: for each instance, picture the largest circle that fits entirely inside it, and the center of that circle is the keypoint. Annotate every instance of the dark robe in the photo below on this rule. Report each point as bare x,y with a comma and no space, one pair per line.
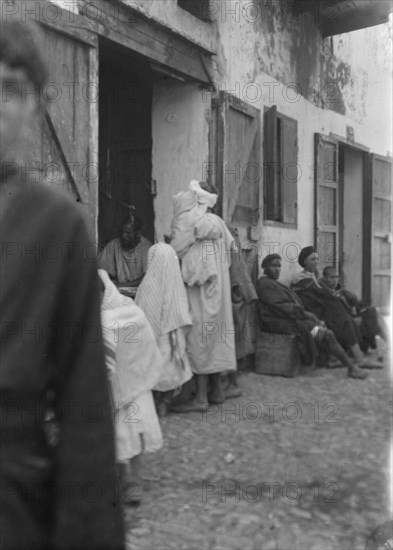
281,312
369,325
63,496
329,308
244,298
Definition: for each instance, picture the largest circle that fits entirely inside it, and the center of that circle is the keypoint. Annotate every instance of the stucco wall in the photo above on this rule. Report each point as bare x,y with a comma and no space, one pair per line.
180,146
170,15
267,57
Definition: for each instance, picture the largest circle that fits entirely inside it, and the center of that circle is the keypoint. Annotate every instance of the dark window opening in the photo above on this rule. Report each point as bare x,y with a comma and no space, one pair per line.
197,8
281,171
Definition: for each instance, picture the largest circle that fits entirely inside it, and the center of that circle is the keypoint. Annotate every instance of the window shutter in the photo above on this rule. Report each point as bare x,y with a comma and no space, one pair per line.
326,201
271,165
379,248
289,169
239,173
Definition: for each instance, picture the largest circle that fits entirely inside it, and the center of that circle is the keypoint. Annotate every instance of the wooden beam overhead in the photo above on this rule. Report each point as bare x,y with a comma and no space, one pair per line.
128,28
341,16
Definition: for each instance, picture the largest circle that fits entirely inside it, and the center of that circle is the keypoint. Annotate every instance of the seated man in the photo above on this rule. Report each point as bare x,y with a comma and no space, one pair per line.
282,312
328,308
369,321
125,258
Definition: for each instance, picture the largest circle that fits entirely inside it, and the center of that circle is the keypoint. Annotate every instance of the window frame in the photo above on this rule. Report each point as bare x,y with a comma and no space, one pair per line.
274,169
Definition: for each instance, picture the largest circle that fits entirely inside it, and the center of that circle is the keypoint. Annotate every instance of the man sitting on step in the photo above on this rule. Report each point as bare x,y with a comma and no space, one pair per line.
282,312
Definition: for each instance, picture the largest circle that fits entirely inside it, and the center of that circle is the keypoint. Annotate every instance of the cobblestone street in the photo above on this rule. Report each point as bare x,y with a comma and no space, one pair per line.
298,463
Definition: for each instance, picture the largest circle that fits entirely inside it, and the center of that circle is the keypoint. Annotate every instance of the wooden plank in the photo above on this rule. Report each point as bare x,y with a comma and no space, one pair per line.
380,247
270,163
93,145
51,16
150,39
244,159
328,184
70,159
220,148
367,225
326,235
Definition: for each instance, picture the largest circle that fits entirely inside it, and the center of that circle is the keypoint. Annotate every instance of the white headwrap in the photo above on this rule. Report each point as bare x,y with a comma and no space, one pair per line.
162,295
203,197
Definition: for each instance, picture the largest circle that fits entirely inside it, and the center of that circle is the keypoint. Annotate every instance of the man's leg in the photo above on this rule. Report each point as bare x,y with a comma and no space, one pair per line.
327,338
216,395
199,403
232,390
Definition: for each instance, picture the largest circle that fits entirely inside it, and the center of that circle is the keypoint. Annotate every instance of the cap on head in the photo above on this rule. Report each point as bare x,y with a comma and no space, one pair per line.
268,260
305,253
134,221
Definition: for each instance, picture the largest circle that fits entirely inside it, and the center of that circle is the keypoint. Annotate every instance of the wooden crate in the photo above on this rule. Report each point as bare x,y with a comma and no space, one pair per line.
277,355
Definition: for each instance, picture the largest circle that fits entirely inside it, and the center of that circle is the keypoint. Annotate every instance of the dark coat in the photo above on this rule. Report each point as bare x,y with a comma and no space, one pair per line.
244,298
280,311
61,497
329,308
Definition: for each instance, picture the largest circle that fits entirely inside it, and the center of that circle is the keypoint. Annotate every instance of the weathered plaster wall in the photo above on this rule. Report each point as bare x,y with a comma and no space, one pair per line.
368,95
169,14
267,56
180,144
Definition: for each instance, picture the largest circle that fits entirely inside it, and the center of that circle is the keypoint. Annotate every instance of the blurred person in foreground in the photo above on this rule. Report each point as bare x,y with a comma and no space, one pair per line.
203,244
58,496
134,366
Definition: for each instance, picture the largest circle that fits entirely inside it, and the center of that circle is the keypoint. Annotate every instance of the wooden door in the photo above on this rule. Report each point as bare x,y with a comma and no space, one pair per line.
238,160
379,199
326,201
62,152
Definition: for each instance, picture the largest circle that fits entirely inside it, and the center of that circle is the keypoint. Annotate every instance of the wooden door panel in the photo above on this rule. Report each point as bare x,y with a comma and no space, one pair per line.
62,149
239,173
326,201
381,229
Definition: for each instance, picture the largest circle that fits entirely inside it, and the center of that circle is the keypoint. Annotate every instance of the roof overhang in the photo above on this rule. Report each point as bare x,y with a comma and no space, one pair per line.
341,16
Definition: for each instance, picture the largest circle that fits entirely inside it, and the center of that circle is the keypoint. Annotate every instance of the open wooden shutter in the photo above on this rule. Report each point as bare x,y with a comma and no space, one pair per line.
326,201
63,150
289,171
271,166
378,208
239,174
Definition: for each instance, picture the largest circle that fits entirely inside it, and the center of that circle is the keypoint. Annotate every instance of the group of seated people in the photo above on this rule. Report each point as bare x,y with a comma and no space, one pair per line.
320,315
177,295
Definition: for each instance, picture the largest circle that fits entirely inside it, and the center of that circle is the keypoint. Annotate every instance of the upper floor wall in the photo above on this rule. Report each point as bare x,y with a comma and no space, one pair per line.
259,43
350,74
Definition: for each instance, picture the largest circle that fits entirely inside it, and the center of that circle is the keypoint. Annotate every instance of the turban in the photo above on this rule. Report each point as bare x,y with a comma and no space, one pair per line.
305,253
203,197
269,258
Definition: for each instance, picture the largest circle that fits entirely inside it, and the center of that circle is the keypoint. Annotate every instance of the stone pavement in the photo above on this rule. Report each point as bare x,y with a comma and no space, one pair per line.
299,463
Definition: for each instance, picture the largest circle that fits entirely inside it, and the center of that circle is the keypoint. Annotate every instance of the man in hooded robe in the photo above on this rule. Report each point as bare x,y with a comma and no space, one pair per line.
204,244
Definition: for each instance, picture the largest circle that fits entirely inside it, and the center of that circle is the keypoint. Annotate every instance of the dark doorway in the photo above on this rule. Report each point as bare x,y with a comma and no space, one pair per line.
125,141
